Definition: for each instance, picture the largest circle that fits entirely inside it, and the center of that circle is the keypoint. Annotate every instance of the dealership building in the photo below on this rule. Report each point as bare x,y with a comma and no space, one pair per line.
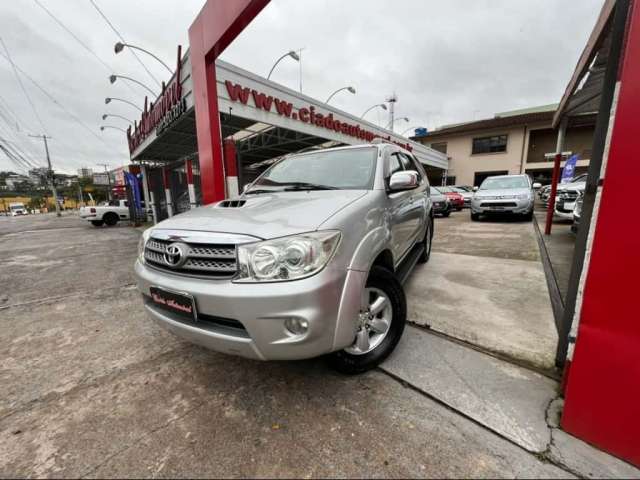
259,121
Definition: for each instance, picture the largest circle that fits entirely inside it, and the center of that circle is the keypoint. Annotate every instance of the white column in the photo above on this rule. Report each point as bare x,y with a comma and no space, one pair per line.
167,193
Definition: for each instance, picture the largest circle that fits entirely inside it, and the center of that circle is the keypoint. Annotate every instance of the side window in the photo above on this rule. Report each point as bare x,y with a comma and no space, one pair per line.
418,168
406,161
126,203
394,164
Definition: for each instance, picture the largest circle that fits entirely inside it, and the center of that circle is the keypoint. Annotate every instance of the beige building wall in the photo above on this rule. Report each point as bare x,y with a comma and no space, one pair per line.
463,165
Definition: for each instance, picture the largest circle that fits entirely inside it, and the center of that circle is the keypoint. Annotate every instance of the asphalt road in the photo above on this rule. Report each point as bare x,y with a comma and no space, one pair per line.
91,388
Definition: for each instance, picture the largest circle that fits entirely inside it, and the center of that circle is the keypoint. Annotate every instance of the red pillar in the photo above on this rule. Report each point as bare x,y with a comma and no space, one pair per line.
216,26
552,196
603,390
231,167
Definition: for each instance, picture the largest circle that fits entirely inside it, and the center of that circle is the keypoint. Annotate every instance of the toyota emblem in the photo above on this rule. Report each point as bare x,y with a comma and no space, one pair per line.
175,255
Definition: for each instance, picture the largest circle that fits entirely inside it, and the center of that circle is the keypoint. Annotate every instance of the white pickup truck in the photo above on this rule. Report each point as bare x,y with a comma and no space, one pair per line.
107,213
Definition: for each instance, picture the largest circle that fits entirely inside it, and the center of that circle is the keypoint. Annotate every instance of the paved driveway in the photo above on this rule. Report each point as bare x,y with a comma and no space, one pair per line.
93,388
485,285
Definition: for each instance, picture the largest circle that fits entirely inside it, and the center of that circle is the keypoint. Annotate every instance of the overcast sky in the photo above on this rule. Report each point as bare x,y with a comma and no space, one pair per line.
447,61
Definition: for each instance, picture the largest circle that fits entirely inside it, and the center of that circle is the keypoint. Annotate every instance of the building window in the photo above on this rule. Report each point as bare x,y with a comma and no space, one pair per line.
496,143
440,147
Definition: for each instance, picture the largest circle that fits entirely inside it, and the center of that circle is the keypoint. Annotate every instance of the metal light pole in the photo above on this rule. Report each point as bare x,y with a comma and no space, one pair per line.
104,117
102,127
392,105
393,120
291,54
349,89
381,105
109,99
118,47
50,173
113,78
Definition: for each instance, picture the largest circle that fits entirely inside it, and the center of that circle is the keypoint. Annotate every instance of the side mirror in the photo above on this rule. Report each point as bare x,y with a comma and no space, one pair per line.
537,185
475,189
400,181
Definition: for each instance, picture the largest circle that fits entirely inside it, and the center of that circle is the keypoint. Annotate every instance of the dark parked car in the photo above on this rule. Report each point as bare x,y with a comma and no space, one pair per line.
441,204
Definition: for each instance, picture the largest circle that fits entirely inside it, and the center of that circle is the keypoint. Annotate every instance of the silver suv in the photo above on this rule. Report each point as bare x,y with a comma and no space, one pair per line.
309,261
502,194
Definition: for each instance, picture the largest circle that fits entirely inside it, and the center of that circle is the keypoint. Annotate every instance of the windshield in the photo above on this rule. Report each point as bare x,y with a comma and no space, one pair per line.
458,190
499,183
434,191
445,189
351,169
16,207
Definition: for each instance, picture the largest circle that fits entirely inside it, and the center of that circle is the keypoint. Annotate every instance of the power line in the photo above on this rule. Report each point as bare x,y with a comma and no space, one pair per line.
54,100
24,90
77,39
123,41
16,141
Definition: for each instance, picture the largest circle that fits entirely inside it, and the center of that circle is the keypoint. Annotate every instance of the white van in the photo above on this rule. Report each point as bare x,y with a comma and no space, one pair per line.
17,208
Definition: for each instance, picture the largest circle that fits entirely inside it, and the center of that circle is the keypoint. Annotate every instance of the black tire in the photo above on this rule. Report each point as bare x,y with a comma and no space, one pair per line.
426,242
528,216
446,214
110,219
475,216
97,223
351,364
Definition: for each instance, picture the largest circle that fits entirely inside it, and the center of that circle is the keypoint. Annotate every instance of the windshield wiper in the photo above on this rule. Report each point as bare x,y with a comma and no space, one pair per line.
293,186
259,190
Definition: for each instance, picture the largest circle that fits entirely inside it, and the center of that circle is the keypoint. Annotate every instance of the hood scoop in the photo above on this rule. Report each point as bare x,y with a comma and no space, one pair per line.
232,203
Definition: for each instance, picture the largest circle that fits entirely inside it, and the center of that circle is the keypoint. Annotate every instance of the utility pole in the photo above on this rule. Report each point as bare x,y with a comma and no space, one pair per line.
80,191
50,173
392,102
105,165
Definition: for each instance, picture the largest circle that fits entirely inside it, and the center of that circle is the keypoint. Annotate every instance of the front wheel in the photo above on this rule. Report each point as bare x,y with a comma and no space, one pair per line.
380,324
475,216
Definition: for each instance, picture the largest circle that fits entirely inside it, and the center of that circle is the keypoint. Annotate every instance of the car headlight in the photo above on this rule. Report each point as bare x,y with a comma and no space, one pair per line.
524,196
142,243
286,258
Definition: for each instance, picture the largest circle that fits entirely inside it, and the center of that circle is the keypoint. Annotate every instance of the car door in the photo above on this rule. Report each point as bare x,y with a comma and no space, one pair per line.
400,209
419,200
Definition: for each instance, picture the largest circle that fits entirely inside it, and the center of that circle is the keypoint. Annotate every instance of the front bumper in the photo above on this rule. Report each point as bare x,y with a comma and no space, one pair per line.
329,301
503,205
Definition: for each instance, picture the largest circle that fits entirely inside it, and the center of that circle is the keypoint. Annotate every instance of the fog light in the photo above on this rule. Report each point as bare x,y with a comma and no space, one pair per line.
297,326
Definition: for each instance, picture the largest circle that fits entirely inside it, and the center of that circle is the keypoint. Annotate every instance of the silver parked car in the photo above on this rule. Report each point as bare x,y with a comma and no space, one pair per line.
308,261
512,194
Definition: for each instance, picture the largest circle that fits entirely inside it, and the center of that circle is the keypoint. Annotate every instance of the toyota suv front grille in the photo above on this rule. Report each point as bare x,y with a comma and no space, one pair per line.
198,259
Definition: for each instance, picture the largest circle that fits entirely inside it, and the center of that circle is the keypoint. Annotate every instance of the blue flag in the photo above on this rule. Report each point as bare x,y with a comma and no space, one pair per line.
569,170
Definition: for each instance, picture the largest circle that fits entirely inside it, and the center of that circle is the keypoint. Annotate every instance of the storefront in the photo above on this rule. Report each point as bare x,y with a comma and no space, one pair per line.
259,121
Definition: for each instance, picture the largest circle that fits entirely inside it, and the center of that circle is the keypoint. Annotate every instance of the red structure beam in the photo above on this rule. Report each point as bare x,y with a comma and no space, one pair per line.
216,26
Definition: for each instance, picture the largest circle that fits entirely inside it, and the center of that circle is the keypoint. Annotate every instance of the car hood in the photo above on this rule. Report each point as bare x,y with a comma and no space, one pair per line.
572,186
268,215
502,192
438,198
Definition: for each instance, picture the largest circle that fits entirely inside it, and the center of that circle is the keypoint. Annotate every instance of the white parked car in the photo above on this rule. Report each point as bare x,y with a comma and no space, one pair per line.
17,208
567,195
107,213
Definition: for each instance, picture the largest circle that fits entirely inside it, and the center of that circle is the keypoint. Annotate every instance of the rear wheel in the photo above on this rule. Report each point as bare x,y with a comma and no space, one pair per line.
380,324
97,223
475,216
111,219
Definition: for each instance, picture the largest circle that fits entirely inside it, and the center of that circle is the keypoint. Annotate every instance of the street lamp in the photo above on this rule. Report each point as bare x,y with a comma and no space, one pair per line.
109,99
404,119
120,46
104,117
115,128
291,54
113,78
350,89
381,105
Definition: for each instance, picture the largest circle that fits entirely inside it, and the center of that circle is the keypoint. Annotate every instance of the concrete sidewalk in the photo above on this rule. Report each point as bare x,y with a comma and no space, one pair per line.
516,403
485,285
